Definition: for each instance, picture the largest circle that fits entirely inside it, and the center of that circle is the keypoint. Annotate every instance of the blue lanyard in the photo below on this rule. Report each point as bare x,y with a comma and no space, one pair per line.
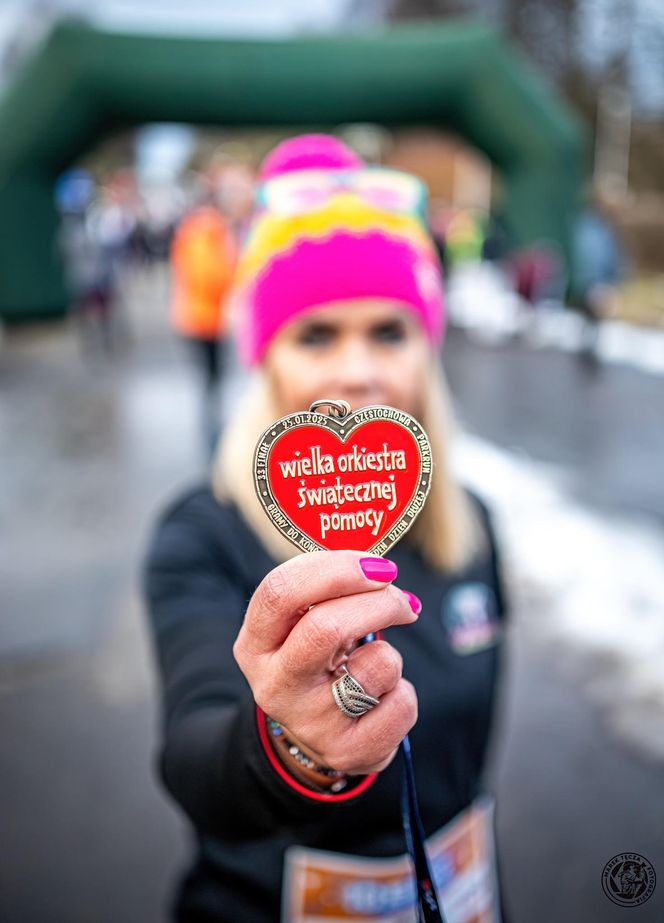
428,906
429,909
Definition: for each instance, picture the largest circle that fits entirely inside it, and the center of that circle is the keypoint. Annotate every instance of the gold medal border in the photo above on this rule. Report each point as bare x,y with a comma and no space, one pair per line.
343,428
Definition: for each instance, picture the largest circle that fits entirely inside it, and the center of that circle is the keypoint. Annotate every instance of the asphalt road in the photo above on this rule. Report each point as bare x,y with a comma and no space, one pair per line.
92,448
570,795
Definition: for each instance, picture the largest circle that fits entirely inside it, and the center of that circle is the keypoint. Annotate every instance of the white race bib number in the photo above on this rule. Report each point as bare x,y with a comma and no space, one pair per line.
326,887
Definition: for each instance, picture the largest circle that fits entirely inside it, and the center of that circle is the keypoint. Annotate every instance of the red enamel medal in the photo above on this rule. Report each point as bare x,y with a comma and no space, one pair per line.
343,479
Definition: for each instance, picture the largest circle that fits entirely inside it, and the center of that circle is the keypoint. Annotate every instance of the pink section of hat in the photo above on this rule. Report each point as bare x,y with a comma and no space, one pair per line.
370,266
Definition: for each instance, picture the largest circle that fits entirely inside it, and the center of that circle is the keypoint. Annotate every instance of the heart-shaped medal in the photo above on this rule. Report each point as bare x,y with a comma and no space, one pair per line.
343,480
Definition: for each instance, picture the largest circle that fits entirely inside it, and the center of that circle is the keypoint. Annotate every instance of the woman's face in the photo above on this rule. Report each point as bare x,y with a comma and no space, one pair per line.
370,351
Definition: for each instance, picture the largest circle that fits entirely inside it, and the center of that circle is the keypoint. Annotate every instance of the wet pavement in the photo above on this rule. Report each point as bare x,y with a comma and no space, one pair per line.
92,447
604,424
570,794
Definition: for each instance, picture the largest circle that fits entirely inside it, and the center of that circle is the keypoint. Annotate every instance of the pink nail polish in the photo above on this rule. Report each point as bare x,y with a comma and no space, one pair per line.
379,569
414,601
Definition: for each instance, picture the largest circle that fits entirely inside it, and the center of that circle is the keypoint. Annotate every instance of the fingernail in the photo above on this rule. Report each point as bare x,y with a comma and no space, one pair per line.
414,601
379,569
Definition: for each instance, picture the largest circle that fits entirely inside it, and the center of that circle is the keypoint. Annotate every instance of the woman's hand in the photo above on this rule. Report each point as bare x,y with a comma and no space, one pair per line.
302,623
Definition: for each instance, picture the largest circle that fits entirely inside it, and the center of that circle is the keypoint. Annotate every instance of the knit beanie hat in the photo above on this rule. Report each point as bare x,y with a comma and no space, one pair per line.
326,228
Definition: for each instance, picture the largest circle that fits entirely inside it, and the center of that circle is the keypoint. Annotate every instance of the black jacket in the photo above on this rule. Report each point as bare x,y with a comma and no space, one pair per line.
202,568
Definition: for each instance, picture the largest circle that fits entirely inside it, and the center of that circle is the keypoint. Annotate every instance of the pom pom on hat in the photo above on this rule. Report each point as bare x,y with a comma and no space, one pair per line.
307,152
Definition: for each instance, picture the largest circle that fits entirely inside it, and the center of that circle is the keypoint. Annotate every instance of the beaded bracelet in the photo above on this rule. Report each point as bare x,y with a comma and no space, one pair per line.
340,778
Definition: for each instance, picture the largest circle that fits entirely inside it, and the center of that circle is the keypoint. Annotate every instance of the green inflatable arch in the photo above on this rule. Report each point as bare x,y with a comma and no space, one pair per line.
84,83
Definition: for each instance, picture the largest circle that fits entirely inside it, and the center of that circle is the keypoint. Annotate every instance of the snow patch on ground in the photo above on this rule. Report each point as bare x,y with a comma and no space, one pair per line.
480,301
590,584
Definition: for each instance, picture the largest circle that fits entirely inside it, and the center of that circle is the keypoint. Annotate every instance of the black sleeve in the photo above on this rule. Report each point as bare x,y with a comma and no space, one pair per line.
212,760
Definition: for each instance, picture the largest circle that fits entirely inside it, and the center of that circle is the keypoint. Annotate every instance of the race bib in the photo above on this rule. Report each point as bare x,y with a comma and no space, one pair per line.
326,887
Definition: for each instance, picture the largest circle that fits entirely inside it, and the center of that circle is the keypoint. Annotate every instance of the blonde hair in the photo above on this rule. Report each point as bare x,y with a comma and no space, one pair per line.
446,533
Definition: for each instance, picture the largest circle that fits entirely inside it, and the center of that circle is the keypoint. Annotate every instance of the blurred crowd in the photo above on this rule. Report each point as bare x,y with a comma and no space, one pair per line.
196,225
107,226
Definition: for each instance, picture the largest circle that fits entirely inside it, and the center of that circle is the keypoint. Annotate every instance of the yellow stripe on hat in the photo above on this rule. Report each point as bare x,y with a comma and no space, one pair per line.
273,234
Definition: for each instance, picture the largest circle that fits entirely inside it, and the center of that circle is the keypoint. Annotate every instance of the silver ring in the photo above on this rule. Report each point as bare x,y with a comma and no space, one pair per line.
350,697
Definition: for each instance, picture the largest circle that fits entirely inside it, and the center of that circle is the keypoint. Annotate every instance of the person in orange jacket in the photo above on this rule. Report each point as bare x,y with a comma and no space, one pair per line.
203,256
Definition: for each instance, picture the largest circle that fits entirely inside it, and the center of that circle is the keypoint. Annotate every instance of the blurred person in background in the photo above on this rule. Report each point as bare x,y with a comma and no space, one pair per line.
236,196
497,240
88,260
537,276
203,258
339,294
462,231
598,265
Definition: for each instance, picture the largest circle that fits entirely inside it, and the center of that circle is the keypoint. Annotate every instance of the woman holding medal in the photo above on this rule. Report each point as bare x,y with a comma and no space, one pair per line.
281,725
